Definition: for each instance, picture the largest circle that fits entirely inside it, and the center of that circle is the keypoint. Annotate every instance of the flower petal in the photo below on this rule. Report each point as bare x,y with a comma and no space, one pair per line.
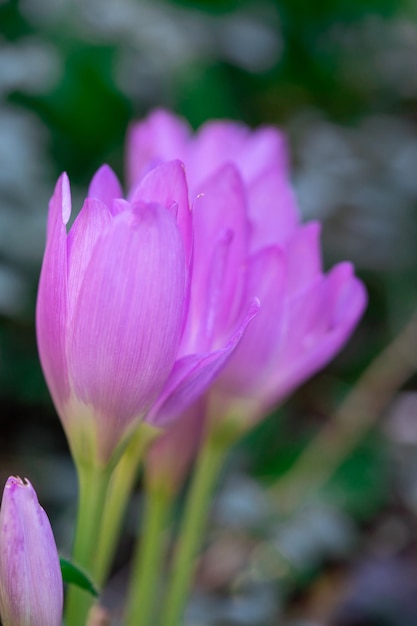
126,326
216,144
256,352
319,321
105,186
220,142
220,244
31,588
193,374
272,209
264,149
166,185
304,261
89,225
160,137
51,307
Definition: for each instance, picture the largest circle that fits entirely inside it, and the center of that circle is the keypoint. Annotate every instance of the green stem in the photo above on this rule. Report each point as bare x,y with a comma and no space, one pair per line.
120,488
145,576
195,515
93,484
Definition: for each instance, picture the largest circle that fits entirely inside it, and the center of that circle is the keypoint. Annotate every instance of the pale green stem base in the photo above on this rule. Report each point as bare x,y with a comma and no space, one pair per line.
93,484
208,466
120,488
147,564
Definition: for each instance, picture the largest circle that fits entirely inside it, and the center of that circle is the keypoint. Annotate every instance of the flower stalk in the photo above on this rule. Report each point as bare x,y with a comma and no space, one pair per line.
217,443
93,486
120,488
148,559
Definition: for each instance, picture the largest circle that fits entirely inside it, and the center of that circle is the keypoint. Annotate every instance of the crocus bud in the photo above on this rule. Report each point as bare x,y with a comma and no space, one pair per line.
31,589
109,315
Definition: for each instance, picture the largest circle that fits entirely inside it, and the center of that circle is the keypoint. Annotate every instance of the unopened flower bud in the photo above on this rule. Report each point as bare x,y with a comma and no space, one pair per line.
31,588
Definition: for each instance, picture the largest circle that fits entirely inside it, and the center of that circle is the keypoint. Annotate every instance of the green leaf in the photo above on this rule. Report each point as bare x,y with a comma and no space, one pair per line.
75,576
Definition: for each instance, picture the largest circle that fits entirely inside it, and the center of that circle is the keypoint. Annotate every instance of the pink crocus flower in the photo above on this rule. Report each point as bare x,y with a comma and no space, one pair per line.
113,302
244,208
31,587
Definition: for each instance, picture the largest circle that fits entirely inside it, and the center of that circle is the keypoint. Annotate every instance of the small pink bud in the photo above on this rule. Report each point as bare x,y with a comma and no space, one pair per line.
31,588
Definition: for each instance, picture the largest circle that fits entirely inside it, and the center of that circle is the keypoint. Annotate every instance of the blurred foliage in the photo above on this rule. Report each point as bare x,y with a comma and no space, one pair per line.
76,113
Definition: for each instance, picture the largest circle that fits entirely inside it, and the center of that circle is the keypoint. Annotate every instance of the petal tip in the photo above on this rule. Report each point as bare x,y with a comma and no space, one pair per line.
65,197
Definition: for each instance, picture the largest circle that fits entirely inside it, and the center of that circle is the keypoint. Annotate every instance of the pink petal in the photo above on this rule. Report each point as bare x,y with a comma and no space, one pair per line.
272,209
31,590
346,297
105,186
220,242
256,352
124,335
166,185
265,148
215,144
303,253
220,142
51,307
89,225
119,205
205,324
193,374
320,320
160,137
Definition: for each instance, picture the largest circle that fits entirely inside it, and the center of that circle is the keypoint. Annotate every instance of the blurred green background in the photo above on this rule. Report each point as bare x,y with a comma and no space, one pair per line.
339,76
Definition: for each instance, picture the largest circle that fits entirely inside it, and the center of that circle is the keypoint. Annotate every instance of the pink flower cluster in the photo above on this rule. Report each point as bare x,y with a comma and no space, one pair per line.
201,280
